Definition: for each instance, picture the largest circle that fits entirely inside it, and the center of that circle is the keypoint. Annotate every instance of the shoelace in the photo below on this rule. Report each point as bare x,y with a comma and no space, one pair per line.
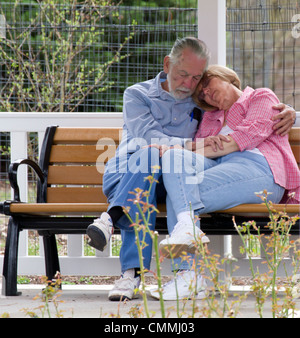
177,228
125,283
98,221
110,227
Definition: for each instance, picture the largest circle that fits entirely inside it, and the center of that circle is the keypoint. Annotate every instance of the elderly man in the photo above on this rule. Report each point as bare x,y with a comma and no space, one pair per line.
159,111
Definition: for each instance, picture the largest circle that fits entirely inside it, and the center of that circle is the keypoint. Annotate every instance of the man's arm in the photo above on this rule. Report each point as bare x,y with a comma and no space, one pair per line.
286,119
142,121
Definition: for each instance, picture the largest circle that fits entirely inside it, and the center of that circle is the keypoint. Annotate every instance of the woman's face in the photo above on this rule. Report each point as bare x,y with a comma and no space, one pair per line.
218,93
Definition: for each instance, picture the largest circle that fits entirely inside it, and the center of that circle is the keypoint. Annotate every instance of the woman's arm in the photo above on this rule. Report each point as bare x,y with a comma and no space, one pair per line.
228,147
257,125
207,147
214,142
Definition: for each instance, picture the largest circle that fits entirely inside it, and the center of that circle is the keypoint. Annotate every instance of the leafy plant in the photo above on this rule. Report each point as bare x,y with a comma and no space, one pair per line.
275,247
47,65
141,225
50,294
212,267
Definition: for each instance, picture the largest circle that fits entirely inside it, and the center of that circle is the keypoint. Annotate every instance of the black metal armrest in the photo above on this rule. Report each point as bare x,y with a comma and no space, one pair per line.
12,175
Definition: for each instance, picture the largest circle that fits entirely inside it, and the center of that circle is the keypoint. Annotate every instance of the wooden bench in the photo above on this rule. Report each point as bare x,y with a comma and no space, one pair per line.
69,185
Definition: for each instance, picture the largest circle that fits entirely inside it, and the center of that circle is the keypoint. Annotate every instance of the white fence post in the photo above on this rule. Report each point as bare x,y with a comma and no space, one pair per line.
213,33
75,247
18,144
212,28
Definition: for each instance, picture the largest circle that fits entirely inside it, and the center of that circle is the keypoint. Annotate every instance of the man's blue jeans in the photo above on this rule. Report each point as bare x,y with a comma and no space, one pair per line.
206,185
123,174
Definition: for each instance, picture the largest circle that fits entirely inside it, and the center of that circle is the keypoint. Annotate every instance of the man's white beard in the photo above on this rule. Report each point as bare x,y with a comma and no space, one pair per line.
179,93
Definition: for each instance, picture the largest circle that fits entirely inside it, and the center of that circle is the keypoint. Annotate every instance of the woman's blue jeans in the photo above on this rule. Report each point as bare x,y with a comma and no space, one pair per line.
123,174
206,185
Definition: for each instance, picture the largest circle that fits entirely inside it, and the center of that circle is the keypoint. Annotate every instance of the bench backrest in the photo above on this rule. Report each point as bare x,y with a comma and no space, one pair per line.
72,159
69,157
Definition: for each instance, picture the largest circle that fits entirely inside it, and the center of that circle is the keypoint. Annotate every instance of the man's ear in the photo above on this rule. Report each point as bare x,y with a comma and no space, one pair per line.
166,64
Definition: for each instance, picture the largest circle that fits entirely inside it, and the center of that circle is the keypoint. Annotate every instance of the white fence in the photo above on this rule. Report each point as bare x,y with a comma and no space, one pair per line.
75,263
19,124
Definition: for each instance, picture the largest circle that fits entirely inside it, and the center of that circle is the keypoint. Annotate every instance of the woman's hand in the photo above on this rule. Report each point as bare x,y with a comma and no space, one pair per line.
163,147
216,142
228,147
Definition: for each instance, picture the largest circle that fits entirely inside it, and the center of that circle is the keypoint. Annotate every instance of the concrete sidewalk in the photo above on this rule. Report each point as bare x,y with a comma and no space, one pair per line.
90,301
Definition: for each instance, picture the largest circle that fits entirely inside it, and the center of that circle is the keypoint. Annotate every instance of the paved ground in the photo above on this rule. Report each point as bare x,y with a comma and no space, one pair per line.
90,301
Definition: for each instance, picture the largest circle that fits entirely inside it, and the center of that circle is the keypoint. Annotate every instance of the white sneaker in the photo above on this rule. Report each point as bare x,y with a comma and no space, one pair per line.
183,238
125,287
184,286
100,232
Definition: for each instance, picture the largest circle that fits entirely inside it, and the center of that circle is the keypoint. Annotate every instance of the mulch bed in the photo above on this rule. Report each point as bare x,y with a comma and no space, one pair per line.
88,280
110,280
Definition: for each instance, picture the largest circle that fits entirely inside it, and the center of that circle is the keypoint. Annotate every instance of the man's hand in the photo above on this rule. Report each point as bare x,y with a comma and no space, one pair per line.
286,117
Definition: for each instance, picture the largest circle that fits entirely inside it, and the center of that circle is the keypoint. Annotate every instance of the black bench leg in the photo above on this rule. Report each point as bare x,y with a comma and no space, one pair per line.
10,266
51,256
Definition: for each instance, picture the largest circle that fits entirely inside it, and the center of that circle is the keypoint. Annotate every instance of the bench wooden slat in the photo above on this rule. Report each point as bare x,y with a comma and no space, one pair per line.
62,208
91,208
80,154
59,208
75,195
294,135
261,208
86,135
73,174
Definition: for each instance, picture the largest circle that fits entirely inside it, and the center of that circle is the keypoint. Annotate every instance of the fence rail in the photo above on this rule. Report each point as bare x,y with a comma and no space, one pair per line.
19,125
75,262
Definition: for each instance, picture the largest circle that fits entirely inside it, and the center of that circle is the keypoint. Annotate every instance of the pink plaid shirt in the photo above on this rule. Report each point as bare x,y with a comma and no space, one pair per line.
250,119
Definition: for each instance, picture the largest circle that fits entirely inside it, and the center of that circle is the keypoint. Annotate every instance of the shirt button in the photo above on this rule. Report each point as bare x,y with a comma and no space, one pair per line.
175,118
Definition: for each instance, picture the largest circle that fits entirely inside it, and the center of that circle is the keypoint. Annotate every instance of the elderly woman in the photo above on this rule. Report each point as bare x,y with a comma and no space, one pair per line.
235,154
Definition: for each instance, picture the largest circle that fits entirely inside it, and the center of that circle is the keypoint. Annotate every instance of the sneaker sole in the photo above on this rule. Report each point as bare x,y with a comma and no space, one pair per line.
200,295
121,298
118,298
97,238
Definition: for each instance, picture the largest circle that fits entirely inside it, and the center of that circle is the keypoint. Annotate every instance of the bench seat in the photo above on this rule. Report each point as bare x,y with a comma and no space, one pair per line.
93,209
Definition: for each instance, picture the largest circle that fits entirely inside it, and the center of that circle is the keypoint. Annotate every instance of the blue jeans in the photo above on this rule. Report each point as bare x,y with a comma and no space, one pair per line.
123,175
206,185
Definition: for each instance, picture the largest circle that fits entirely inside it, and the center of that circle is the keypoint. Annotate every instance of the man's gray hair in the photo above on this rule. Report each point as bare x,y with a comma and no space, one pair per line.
196,45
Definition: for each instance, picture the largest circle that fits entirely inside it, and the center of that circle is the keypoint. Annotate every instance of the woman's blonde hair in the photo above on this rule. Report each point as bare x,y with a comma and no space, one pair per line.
221,72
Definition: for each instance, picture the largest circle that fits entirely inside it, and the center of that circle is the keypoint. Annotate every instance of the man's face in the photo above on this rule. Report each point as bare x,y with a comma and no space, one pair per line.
184,76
